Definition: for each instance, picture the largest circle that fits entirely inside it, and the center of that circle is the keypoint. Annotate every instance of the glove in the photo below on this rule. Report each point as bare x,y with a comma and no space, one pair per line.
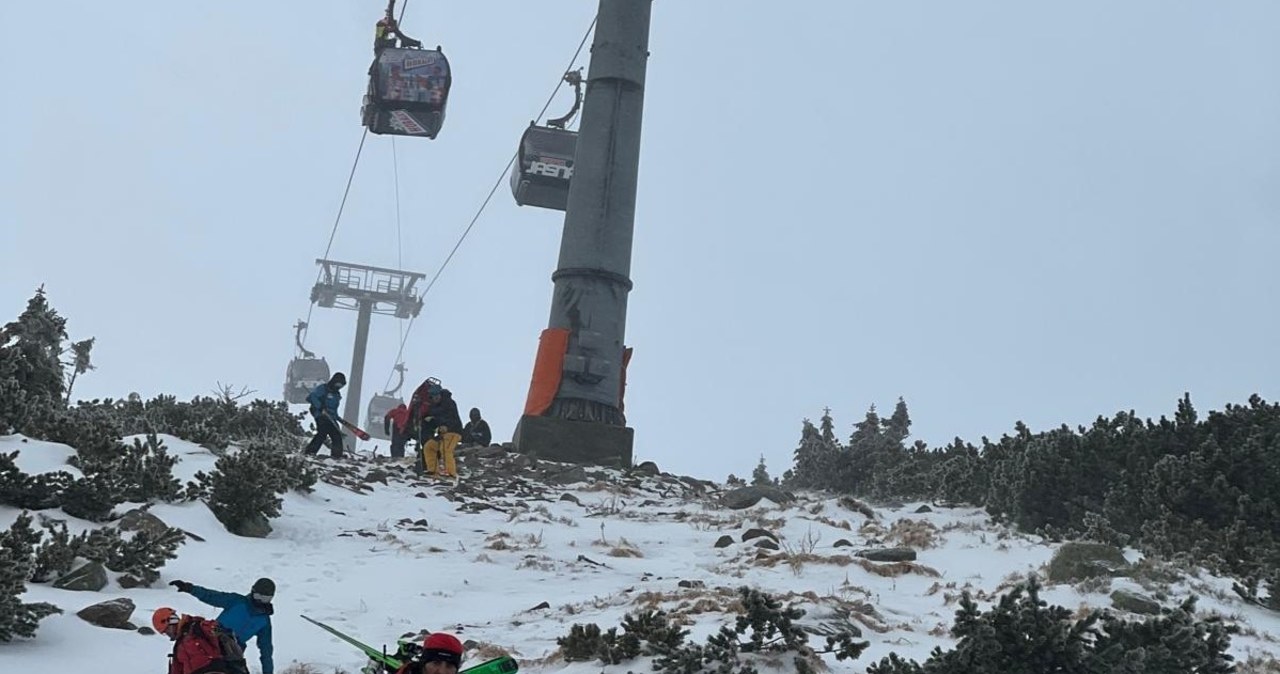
182,585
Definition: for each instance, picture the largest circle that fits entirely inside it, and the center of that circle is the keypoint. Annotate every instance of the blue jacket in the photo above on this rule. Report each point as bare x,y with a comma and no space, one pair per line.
243,617
322,398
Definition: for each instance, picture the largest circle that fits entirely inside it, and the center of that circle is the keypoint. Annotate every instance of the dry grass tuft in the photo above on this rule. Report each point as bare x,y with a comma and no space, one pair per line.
895,569
918,534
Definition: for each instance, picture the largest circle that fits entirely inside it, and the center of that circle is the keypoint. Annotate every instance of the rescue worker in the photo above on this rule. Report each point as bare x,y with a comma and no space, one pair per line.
476,432
396,425
386,33
200,646
440,432
441,653
246,616
324,409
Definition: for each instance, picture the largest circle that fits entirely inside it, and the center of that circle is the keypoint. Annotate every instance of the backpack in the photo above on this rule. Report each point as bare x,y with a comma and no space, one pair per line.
230,658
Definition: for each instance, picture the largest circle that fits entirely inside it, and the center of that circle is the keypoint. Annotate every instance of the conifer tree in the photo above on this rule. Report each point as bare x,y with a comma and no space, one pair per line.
828,427
80,363
899,426
30,348
760,476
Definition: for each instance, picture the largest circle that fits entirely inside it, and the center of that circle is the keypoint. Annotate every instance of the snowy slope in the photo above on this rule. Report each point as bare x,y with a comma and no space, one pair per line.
379,560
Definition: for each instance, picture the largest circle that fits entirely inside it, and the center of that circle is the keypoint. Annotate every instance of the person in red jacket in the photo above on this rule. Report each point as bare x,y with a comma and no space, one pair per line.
396,424
200,646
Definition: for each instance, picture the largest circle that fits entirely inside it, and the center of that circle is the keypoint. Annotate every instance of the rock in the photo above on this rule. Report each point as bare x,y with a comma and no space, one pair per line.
756,533
923,509
491,452
571,498
1134,602
691,584
724,541
646,468
146,630
887,554
128,582
541,606
524,461
376,475
842,543
1076,561
141,520
253,527
745,497
113,614
88,578
563,476
767,544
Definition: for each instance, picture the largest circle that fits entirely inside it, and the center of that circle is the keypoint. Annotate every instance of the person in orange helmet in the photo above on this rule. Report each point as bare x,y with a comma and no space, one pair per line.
200,646
441,653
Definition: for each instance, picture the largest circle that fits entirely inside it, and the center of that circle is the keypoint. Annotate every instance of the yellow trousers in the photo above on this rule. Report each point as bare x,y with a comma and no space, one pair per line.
442,445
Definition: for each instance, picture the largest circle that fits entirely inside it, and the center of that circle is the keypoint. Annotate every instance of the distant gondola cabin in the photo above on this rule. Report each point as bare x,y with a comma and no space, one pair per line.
302,376
379,405
544,167
408,91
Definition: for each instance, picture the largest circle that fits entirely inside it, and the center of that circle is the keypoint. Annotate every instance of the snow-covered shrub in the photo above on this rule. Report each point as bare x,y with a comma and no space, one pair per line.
17,558
245,487
1024,635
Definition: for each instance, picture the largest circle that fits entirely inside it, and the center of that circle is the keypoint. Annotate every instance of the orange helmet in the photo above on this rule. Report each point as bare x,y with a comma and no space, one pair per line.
163,618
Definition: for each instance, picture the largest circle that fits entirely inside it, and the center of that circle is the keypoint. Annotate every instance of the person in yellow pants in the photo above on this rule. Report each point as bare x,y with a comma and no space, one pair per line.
441,447
441,432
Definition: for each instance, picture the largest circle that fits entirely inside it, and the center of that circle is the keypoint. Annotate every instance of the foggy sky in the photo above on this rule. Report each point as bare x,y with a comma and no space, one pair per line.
998,210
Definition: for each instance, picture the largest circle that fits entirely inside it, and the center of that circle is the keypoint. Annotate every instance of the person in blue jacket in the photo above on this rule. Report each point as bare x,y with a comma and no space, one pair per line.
246,615
324,409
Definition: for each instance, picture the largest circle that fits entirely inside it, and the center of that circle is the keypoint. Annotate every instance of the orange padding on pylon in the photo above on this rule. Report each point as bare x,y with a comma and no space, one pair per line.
622,392
547,368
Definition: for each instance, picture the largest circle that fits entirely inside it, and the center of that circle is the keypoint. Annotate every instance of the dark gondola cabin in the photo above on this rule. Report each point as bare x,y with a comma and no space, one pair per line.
544,167
303,375
408,91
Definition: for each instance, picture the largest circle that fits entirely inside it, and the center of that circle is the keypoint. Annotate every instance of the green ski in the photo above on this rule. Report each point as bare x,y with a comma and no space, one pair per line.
503,664
373,653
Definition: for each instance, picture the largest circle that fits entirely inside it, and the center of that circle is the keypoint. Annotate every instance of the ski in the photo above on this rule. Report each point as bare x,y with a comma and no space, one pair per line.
373,653
503,664
359,432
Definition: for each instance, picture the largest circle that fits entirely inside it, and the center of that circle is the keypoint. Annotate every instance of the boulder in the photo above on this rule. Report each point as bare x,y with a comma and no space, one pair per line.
141,520
88,578
114,614
646,468
745,497
923,509
724,541
1134,602
756,533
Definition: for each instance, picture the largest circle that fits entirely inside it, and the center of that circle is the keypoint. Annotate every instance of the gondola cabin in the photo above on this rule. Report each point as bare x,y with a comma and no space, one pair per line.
408,91
544,167
379,405
303,375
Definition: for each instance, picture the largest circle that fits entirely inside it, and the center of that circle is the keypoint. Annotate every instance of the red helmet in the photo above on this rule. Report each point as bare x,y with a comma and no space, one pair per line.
163,618
441,647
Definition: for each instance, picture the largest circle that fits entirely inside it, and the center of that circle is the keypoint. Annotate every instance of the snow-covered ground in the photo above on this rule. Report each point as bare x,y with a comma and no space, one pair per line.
411,555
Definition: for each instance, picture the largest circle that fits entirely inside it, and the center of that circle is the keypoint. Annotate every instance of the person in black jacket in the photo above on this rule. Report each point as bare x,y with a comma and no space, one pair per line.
476,432
441,432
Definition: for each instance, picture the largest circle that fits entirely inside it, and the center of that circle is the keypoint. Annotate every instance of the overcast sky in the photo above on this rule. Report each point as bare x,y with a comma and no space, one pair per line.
999,210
